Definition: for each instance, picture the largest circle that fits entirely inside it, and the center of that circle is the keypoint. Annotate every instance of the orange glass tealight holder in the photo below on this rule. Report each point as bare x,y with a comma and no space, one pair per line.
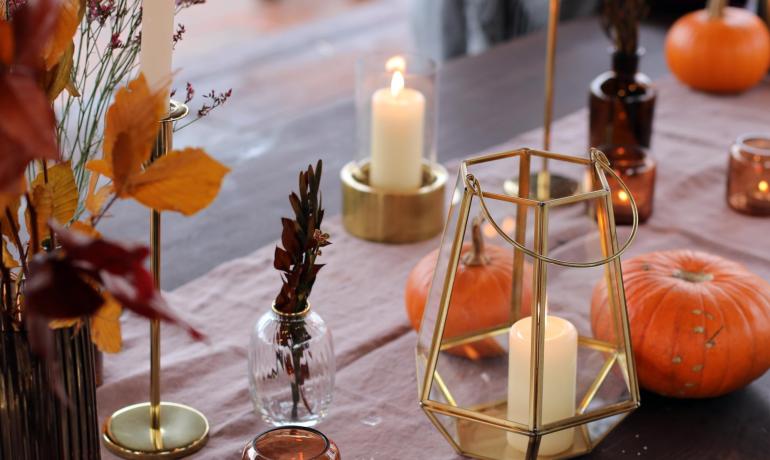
748,177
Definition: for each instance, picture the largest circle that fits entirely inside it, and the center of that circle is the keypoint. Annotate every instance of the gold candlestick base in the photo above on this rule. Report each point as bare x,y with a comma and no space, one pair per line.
183,431
544,186
390,216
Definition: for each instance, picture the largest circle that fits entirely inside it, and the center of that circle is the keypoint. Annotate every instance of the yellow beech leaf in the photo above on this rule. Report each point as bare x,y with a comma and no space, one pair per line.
66,25
11,206
64,323
105,326
185,181
42,201
100,167
85,229
95,201
131,126
64,191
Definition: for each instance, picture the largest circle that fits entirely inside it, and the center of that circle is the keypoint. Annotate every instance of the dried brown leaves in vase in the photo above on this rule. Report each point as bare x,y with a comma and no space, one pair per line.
302,240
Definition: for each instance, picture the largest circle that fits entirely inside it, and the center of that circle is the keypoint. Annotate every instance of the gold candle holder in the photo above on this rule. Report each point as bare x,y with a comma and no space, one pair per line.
156,429
393,216
512,405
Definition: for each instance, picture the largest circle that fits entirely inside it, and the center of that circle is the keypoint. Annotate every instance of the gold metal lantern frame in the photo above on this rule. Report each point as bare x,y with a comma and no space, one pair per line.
464,388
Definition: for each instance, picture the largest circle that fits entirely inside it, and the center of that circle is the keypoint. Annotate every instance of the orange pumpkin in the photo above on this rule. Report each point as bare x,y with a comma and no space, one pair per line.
481,296
700,324
723,50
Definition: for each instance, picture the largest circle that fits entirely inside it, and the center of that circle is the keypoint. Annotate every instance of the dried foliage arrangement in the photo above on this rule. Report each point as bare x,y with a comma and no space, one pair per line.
56,269
302,240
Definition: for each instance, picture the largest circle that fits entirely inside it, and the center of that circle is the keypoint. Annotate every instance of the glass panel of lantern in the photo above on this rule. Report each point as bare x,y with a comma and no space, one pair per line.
476,356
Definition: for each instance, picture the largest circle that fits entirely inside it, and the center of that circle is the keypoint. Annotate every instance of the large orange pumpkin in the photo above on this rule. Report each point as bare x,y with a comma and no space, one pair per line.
481,296
700,324
719,49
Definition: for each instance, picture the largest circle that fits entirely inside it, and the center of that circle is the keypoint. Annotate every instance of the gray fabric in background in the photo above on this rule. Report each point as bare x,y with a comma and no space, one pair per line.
445,29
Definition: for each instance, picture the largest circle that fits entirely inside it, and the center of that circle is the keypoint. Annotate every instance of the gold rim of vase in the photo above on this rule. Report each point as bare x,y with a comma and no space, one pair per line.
299,314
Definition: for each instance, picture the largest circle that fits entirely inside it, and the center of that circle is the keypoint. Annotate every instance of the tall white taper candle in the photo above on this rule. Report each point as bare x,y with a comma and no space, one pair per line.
157,41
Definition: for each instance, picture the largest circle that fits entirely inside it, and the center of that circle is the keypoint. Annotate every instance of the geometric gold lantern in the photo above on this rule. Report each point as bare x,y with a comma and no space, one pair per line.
546,385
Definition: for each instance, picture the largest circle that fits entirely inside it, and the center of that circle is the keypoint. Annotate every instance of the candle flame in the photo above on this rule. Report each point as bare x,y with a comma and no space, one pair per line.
623,196
396,63
396,83
763,186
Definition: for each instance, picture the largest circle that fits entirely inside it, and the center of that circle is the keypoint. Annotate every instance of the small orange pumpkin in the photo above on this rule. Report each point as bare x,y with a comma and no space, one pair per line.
720,49
481,296
700,324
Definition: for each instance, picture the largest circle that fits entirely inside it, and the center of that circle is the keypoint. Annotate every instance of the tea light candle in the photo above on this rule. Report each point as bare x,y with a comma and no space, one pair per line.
398,119
559,380
157,41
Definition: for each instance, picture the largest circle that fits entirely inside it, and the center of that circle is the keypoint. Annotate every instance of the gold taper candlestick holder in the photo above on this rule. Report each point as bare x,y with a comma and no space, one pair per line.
393,216
544,184
155,429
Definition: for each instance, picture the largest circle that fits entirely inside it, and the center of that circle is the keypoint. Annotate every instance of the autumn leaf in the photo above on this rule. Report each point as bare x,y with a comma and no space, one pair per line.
185,181
63,189
6,42
68,20
42,201
28,128
131,127
96,198
85,228
105,326
64,323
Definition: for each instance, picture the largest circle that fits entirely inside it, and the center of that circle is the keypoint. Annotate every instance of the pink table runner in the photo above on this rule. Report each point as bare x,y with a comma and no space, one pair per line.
375,414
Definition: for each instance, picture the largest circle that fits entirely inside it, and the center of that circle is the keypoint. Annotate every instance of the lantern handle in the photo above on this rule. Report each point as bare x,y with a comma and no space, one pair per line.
600,161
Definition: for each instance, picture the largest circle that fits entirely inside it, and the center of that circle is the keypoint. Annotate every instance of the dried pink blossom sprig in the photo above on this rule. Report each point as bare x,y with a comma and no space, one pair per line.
212,101
180,31
99,11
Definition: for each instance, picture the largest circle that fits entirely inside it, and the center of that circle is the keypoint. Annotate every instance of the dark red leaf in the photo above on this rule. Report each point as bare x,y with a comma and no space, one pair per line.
282,260
101,254
57,289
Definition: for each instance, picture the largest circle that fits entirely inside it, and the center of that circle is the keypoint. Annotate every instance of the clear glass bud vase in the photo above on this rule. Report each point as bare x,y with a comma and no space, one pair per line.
291,368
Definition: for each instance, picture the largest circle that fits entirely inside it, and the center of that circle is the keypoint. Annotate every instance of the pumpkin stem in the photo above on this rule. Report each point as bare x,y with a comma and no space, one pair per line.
715,8
476,257
693,277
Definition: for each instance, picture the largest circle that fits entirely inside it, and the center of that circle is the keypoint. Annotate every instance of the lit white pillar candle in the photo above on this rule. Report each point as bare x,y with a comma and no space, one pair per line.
559,380
398,120
157,41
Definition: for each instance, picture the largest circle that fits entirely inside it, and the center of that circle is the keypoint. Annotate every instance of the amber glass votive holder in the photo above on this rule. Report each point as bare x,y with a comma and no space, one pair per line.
748,176
637,170
291,443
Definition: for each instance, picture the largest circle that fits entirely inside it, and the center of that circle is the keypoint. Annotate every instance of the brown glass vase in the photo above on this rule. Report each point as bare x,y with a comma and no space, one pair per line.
621,104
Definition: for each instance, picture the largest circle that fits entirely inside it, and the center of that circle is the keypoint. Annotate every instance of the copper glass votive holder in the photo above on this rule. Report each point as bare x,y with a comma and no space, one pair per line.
636,168
748,176
291,443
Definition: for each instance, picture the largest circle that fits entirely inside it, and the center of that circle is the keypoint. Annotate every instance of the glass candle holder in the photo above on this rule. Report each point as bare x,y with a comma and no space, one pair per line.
393,189
637,170
396,121
748,177
291,443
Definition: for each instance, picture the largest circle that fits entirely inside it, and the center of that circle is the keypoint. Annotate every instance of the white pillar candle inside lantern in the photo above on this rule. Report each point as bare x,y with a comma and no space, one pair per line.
157,41
559,380
397,138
